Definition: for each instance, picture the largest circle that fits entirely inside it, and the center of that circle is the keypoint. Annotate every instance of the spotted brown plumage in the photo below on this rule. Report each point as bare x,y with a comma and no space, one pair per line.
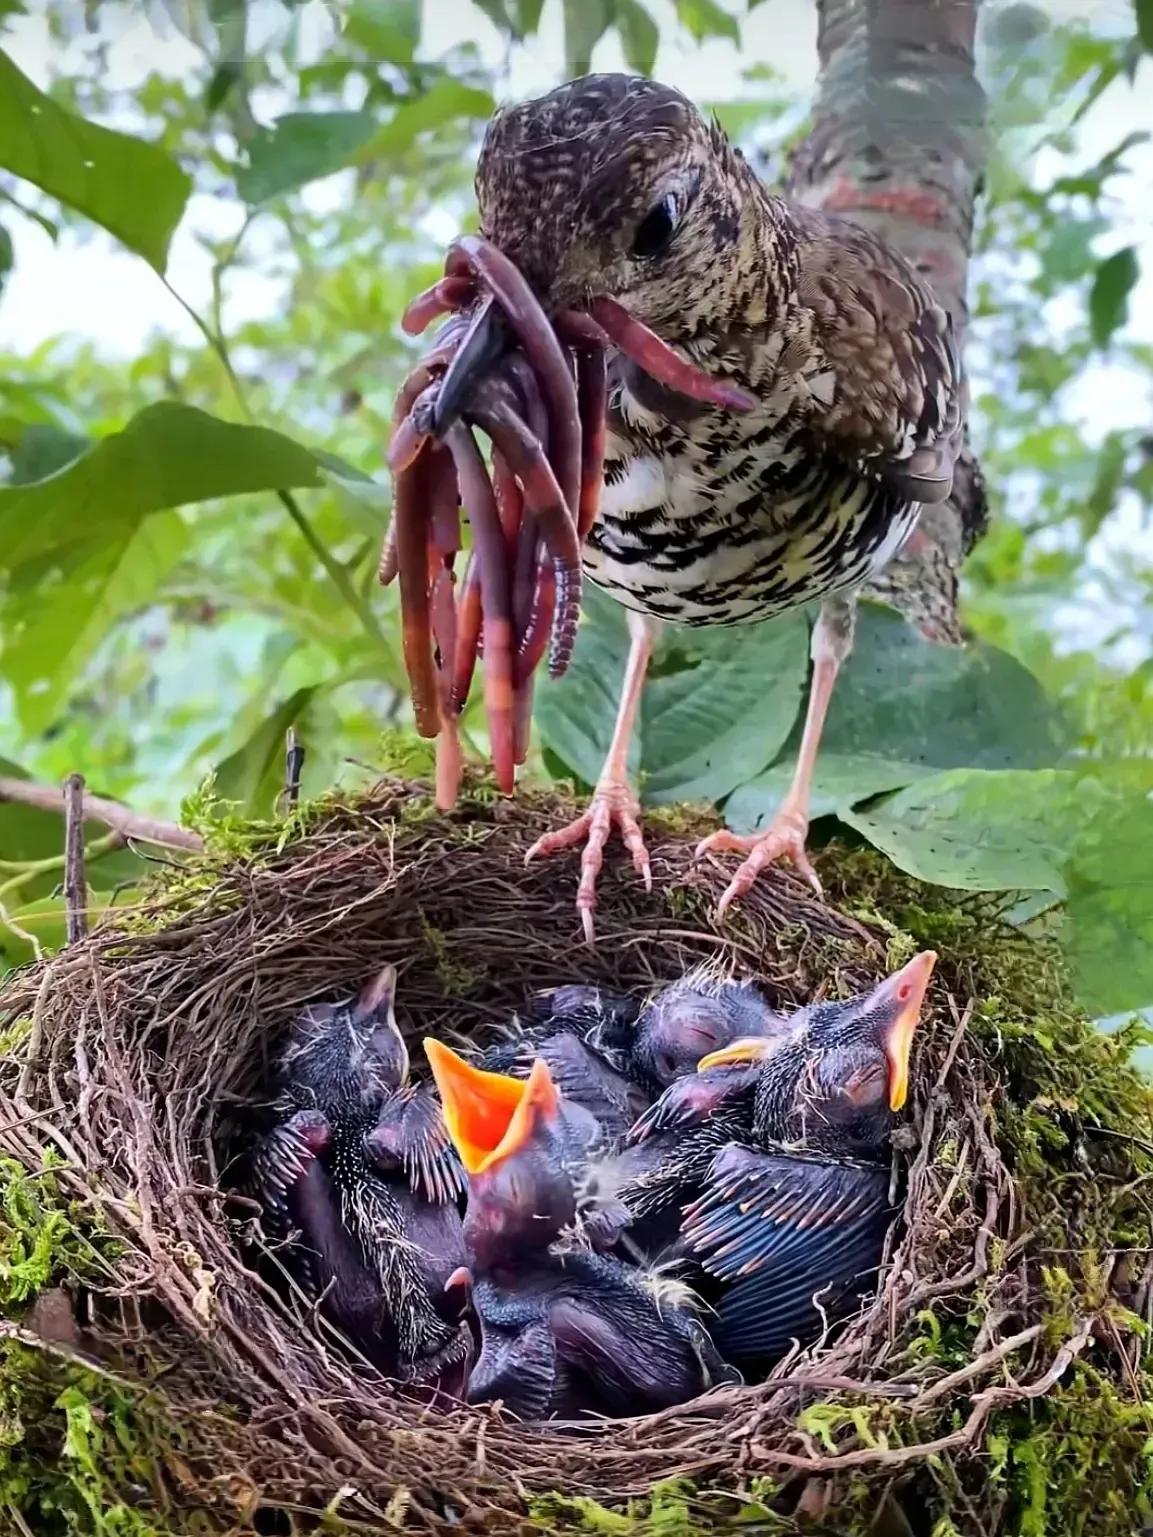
615,187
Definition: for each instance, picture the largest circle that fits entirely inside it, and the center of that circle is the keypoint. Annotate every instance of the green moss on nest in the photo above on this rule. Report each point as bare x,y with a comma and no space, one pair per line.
43,1237
83,1454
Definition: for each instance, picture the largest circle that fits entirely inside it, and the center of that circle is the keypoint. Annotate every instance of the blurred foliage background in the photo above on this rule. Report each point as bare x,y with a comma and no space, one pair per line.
189,526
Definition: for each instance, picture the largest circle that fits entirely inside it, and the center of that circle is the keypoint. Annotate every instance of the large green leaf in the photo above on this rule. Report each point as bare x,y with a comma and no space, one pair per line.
705,19
716,707
132,188
640,36
301,147
1109,907
1113,282
1145,23
169,455
65,618
585,23
385,29
976,829
904,708
447,101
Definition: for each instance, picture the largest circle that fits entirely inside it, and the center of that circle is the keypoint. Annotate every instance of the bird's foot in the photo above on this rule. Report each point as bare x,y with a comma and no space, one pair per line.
785,839
613,805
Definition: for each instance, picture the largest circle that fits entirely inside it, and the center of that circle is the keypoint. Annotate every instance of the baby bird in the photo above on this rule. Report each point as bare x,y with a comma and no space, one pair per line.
794,1212
361,1166
564,1332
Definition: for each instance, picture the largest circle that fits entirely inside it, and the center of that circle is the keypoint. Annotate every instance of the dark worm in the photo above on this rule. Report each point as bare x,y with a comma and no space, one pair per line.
528,320
496,600
411,515
544,501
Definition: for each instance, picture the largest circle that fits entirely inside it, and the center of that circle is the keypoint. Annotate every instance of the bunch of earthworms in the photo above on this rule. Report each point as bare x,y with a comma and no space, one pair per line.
543,407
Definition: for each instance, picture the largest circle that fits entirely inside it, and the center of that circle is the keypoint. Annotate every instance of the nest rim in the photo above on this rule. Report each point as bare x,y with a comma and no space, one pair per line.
130,1027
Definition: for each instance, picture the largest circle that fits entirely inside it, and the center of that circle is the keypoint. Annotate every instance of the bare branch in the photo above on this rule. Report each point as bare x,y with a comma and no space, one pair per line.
169,835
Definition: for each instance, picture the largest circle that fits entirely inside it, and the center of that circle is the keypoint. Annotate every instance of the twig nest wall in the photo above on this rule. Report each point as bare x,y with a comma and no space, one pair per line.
148,1366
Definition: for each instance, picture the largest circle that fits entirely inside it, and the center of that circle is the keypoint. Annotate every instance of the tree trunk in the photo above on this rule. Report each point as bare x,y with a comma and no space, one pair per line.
898,143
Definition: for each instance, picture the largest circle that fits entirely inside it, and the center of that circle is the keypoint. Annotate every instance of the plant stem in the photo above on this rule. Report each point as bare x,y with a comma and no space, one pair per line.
125,823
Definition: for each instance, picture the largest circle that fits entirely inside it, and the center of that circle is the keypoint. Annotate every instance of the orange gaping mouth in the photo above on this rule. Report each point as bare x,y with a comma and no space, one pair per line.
488,1116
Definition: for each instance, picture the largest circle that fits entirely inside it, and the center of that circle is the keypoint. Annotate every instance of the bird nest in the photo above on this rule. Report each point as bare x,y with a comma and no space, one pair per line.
159,1384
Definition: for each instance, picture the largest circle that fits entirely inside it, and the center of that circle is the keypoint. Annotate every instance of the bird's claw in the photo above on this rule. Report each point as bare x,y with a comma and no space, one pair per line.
784,839
613,804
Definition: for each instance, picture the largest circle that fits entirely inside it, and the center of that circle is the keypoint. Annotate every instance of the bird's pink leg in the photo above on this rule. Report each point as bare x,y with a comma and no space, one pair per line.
614,801
785,836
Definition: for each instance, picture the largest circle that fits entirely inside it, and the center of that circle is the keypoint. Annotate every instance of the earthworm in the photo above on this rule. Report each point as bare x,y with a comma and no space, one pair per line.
496,600
469,619
449,293
659,360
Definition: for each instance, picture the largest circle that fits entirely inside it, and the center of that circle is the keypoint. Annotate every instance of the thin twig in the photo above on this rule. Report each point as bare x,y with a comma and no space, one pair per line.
293,765
130,824
75,879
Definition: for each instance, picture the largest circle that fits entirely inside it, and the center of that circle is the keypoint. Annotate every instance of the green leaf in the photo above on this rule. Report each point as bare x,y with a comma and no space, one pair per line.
705,18
385,29
904,708
448,101
716,707
1109,938
640,37
977,830
253,775
7,257
301,147
1109,297
133,189
585,23
1145,23
169,455
527,16
66,619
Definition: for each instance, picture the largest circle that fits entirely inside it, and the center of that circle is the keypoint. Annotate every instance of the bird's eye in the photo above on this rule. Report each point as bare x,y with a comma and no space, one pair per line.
657,228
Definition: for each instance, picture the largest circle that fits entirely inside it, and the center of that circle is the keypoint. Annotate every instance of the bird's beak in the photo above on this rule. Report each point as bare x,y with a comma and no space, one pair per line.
746,1051
377,993
486,341
489,1116
375,1001
902,997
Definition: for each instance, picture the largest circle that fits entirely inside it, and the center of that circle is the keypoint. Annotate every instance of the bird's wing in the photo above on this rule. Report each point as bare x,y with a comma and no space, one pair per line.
784,1229
518,1368
897,396
635,1361
279,1160
691,1101
430,1160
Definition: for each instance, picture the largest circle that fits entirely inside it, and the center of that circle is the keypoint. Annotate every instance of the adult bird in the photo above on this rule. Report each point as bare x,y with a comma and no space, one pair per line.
615,187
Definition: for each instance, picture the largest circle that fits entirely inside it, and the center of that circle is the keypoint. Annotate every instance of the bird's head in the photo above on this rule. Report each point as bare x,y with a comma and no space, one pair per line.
614,185
350,1052
697,1018
843,1073
506,1132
